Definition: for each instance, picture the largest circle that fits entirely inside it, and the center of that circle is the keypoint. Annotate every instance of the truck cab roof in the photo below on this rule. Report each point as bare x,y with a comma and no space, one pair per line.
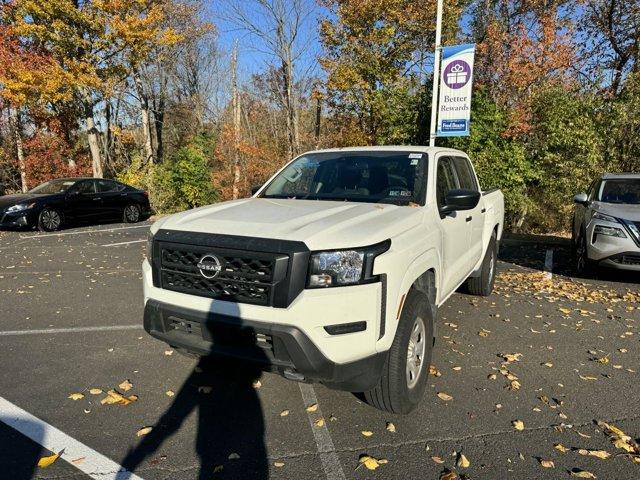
391,148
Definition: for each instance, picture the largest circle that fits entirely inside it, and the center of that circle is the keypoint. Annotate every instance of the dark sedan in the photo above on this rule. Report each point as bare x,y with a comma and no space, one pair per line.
67,201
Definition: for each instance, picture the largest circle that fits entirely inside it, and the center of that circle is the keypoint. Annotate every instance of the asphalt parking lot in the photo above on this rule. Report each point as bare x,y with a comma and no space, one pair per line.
555,353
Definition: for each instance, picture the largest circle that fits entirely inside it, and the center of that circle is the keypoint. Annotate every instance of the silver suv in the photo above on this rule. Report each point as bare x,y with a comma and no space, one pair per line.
606,224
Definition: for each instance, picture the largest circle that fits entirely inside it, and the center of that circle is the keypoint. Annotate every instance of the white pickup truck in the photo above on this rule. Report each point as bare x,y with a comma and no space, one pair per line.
332,271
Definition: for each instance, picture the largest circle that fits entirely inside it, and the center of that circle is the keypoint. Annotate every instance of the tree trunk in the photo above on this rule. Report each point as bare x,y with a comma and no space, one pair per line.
94,146
236,121
146,119
17,127
290,105
318,119
158,118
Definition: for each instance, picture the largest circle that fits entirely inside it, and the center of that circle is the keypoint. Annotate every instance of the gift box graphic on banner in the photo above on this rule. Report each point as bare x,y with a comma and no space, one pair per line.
457,75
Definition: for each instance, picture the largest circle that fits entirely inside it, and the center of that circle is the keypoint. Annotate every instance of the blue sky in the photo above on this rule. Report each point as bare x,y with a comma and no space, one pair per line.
251,53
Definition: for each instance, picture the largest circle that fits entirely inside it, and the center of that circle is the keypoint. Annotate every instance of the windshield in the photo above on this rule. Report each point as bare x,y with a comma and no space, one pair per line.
376,177
53,186
621,191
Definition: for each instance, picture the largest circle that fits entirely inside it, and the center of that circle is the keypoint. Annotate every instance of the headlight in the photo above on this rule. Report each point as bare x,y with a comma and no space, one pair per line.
150,246
20,206
610,231
602,216
344,267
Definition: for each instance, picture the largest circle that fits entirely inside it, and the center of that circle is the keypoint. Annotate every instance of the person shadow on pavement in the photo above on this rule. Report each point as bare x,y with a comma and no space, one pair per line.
230,425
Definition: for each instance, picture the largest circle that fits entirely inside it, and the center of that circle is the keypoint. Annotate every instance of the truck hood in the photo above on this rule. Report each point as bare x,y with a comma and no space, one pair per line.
619,210
319,224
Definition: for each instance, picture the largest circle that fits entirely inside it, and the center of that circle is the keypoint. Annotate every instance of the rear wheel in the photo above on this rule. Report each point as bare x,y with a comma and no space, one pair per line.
483,284
404,375
131,213
49,220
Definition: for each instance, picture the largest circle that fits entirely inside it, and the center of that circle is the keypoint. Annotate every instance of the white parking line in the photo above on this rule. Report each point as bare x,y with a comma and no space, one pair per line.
87,459
548,264
123,243
84,231
47,331
328,456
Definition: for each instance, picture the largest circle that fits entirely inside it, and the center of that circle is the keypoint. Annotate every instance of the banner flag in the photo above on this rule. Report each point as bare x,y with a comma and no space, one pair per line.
454,108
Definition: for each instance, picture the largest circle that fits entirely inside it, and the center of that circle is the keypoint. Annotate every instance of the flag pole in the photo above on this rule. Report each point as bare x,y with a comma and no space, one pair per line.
436,77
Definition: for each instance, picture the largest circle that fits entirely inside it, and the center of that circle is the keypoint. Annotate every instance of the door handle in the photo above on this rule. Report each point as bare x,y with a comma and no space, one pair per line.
95,199
469,218
483,210
123,194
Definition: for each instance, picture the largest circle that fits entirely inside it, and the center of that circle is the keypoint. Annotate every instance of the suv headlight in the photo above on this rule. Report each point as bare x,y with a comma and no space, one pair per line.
20,206
610,231
338,268
602,216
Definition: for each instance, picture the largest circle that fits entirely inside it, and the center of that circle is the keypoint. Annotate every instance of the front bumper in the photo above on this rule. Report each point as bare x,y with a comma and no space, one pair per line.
20,219
283,349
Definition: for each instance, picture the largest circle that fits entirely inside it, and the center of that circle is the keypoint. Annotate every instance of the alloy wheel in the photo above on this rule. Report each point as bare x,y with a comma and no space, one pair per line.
132,213
51,219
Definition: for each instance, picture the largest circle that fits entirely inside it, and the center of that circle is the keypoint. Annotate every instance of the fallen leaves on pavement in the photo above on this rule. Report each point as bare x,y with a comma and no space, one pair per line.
602,454
622,441
463,462
576,472
559,288
48,460
116,398
371,463
125,386
76,396
143,431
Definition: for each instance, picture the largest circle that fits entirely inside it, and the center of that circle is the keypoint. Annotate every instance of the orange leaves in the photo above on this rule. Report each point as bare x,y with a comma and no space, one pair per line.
515,58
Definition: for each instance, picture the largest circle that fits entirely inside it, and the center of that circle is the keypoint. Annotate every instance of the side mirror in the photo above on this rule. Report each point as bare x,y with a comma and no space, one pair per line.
255,189
459,200
73,193
581,198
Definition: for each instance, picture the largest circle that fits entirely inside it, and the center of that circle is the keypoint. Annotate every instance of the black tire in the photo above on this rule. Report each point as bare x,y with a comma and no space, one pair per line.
49,220
583,265
131,213
396,392
483,284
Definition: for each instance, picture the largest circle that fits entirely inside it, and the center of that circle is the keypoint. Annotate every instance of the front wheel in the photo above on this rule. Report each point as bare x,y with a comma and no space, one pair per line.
404,375
131,213
584,265
49,220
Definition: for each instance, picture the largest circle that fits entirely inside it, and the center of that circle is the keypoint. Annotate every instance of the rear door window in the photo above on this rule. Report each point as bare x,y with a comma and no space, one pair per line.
105,186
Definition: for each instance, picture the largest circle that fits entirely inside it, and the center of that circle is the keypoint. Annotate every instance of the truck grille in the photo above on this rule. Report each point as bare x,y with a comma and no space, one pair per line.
237,276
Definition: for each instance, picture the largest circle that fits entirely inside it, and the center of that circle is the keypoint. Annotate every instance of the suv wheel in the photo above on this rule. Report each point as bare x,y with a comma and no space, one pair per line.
49,220
483,284
405,372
